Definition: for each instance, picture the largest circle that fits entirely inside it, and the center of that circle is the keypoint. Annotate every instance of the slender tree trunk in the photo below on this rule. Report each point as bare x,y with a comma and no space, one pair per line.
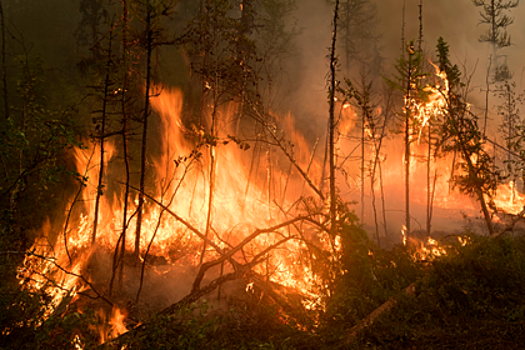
102,139
375,168
149,50
373,194
511,122
420,41
333,65
120,249
429,194
383,204
403,30
363,123
213,165
487,95
408,120
472,171
4,64
347,36
125,139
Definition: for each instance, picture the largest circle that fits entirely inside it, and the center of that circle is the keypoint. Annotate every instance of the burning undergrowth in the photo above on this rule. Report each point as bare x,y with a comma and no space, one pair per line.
208,219
240,221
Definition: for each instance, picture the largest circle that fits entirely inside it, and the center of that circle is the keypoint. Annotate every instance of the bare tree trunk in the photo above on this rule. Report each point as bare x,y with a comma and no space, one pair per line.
372,188
429,194
333,65
120,249
487,94
407,154
125,140
102,137
347,36
420,41
4,64
377,166
383,205
149,50
211,187
363,122
403,30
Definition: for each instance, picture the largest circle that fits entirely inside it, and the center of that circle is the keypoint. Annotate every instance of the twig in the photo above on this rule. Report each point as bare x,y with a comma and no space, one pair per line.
52,260
286,153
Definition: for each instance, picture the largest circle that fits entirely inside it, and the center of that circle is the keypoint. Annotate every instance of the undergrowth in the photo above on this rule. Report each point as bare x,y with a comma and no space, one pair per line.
471,298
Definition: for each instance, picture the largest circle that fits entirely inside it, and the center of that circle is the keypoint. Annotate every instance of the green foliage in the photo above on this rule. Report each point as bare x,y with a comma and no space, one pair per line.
470,298
369,277
409,79
460,133
452,71
197,326
35,138
409,73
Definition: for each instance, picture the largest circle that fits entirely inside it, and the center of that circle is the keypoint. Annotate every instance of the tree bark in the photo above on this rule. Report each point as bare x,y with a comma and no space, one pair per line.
333,65
4,64
102,137
149,50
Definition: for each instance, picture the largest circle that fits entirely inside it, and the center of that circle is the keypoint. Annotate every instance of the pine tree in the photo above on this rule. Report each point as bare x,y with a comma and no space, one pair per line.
460,133
510,120
408,80
494,15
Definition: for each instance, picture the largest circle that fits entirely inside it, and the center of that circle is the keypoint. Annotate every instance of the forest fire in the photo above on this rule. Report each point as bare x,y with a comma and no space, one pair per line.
205,175
253,218
240,206
210,210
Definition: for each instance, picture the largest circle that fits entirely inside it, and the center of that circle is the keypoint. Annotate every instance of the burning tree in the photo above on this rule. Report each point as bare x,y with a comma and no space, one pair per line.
461,134
224,196
408,81
187,220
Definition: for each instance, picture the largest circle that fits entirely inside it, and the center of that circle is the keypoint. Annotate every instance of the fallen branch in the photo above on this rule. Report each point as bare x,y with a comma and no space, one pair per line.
181,220
225,255
386,306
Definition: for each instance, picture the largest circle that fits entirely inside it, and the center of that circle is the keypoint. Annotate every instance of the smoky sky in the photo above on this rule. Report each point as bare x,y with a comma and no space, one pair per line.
457,21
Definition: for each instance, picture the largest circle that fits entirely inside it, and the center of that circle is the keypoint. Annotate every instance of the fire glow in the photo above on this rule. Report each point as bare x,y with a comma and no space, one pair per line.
241,206
252,209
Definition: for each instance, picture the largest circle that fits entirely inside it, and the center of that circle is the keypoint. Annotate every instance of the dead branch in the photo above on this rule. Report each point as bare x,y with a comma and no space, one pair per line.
386,306
181,220
190,298
52,260
226,255
229,254
283,148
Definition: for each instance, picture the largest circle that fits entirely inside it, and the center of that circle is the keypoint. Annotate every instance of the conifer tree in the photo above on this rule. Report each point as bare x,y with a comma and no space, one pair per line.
494,15
407,80
460,133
